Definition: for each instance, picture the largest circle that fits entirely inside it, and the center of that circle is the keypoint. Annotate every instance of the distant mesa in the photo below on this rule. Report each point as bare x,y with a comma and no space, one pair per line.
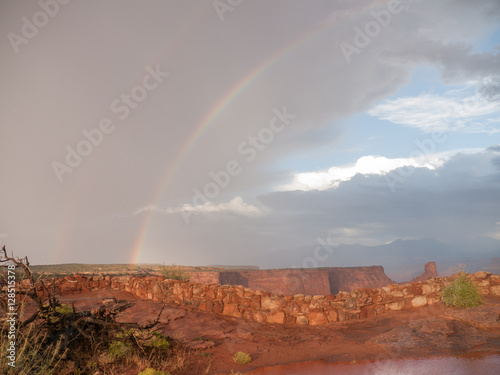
308,281
319,281
233,267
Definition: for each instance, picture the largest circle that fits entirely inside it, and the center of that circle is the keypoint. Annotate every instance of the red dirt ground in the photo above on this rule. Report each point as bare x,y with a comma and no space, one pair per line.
428,331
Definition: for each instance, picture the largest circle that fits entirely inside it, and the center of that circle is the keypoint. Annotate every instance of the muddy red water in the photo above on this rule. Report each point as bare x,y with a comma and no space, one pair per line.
471,364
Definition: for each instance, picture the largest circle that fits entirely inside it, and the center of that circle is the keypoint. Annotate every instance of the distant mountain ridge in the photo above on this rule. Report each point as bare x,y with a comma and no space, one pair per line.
402,259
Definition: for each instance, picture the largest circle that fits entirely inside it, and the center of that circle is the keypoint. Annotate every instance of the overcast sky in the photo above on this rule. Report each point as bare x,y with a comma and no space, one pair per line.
202,132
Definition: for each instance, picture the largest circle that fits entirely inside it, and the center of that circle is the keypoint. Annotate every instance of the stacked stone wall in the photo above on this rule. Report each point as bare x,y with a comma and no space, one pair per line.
266,307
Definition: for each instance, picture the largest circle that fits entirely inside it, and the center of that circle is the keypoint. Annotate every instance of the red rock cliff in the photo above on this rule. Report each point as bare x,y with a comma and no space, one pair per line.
300,281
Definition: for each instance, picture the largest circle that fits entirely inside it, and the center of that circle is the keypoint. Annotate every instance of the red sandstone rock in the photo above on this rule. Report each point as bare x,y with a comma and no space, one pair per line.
217,307
495,290
211,293
429,271
270,303
231,310
332,315
379,309
142,313
367,311
481,275
258,316
276,317
234,298
293,308
396,305
256,302
419,301
317,318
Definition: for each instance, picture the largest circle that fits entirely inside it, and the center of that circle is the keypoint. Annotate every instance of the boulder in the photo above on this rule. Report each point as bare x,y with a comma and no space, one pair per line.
276,317
419,301
495,290
317,318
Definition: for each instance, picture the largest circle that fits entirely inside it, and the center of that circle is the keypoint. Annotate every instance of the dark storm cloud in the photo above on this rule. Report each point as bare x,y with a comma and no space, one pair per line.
263,56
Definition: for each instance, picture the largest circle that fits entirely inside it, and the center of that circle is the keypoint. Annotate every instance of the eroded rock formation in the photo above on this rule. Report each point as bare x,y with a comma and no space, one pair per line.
429,271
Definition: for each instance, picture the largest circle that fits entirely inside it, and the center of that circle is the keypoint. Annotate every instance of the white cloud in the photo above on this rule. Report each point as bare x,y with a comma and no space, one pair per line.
367,165
438,113
235,206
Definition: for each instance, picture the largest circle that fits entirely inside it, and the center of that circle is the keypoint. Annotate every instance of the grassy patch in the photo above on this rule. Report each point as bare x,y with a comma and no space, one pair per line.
35,354
159,341
119,349
174,273
150,371
462,292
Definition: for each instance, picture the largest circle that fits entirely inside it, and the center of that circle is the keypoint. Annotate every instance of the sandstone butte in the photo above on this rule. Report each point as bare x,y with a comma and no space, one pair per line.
316,281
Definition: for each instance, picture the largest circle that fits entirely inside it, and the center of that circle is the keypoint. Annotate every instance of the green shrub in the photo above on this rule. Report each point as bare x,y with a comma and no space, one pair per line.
159,341
151,371
119,349
242,358
462,292
64,309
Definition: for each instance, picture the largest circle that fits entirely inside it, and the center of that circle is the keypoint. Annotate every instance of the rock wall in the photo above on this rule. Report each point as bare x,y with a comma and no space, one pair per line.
299,281
261,306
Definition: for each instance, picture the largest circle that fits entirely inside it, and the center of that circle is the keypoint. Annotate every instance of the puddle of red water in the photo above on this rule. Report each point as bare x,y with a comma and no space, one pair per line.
470,364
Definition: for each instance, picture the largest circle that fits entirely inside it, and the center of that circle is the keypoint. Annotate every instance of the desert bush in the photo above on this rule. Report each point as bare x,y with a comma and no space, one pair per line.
242,358
462,292
159,341
64,309
119,349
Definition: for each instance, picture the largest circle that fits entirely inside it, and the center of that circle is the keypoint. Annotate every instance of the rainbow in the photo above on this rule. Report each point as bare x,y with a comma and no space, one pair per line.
61,242
222,104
